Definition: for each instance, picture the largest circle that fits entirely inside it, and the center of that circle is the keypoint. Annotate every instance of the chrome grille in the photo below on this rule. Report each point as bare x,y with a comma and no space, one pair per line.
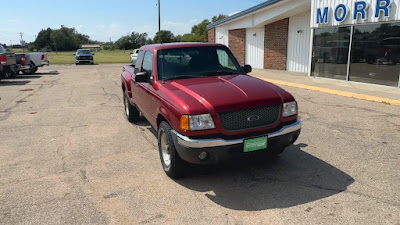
250,118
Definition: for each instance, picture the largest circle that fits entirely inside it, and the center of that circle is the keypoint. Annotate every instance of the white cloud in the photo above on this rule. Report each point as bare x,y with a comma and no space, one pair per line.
13,20
103,32
80,28
231,14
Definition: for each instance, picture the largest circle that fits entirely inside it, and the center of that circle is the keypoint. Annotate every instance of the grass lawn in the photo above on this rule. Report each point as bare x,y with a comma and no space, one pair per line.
102,57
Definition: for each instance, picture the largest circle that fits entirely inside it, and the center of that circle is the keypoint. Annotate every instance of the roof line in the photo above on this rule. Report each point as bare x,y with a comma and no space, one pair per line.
243,13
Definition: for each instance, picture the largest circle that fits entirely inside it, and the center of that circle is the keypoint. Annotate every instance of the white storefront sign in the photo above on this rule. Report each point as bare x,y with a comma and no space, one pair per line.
345,12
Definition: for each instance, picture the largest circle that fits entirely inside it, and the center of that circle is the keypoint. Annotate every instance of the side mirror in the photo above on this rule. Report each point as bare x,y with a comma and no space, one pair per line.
142,77
74,54
92,53
247,68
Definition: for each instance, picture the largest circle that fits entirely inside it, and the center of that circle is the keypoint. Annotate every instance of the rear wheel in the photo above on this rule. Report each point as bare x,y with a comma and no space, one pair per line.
131,112
30,71
7,73
173,165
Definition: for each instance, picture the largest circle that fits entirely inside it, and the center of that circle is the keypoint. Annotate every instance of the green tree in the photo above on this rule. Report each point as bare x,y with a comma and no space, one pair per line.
165,36
132,41
63,39
43,39
199,32
217,18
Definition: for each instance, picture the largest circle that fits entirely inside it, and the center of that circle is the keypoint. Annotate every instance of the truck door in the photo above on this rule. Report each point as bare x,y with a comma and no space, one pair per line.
145,90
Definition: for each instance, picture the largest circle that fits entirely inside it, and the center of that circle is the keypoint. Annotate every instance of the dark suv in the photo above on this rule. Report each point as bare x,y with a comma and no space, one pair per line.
83,56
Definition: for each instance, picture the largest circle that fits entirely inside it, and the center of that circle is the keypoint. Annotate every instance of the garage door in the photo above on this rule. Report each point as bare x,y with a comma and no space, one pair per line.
221,36
255,47
299,43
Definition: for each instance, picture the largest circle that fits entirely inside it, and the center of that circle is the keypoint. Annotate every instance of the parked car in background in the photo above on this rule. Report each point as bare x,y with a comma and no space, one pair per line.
134,56
204,106
83,56
8,63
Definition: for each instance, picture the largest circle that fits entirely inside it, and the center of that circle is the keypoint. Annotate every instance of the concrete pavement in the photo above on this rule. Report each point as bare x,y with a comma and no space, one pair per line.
69,156
369,92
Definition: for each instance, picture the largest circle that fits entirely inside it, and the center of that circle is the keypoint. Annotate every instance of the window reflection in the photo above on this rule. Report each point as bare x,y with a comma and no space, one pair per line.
330,52
375,56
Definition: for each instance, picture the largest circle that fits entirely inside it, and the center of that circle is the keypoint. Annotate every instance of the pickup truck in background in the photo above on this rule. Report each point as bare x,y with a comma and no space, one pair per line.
37,59
84,56
204,106
134,56
8,64
23,62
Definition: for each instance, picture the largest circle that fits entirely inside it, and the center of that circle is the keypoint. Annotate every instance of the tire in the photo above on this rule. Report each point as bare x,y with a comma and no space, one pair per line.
131,112
7,74
13,74
173,165
31,71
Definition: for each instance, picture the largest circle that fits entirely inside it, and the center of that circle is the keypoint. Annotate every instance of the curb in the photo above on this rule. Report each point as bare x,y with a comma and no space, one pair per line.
336,92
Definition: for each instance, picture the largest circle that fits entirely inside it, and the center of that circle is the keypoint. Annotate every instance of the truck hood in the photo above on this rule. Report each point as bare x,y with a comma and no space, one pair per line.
224,93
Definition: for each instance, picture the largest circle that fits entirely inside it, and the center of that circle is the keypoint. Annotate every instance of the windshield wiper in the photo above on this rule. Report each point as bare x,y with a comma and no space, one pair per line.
222,72
181,77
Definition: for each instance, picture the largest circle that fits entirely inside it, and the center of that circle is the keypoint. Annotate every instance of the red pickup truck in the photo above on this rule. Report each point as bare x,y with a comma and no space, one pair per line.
205,107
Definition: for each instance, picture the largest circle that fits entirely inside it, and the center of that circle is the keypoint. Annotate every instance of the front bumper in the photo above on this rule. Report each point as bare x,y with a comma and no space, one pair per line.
218,149
84,61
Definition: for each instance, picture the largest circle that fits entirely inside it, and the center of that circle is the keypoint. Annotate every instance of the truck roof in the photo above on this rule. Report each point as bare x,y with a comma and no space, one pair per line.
177,45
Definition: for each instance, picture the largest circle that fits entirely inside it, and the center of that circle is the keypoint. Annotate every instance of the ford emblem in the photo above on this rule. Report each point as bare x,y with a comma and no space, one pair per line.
253,118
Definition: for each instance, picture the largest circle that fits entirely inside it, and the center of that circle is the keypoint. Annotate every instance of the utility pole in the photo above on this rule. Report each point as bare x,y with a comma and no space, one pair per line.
22,41
159,20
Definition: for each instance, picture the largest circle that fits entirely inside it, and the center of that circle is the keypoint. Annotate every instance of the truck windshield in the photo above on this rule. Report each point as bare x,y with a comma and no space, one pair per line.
2,50
190,62
83,51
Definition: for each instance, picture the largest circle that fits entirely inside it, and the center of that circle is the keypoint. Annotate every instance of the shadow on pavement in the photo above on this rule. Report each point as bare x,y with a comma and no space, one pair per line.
254,184
13,82
27,77
292,179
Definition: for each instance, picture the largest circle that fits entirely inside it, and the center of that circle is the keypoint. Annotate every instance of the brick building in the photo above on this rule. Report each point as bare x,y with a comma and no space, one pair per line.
353,40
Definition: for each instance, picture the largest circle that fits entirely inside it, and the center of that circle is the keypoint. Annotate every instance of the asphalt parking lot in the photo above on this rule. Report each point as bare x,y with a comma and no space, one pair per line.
68,155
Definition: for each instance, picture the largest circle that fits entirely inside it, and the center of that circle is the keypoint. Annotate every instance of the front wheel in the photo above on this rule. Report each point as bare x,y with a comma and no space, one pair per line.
171,162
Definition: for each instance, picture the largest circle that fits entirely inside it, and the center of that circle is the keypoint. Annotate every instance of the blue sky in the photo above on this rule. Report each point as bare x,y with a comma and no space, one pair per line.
101,19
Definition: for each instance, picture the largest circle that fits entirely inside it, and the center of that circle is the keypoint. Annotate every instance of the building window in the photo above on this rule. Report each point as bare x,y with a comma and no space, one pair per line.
375,54
330,52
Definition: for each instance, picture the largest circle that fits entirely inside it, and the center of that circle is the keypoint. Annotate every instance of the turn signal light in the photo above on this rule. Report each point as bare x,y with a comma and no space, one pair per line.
42,57
23,59
185,122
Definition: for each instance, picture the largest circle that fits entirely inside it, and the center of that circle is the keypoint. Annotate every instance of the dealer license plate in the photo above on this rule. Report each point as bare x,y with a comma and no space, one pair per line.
255,144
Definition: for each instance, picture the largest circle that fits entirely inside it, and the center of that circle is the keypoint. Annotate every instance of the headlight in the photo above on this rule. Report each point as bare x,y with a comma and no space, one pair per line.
289,109
198,122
